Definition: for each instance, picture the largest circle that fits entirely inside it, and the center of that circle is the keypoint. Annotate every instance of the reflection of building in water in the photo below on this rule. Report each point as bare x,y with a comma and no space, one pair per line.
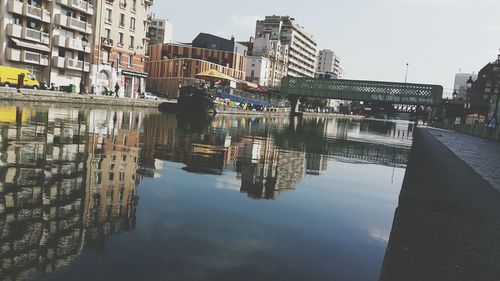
316,164
43,172
112,165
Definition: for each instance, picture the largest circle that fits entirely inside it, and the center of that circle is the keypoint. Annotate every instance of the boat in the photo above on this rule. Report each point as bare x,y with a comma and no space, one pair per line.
192,100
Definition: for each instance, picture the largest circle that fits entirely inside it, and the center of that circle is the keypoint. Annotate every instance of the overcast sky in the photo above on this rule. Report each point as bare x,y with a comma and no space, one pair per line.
374,38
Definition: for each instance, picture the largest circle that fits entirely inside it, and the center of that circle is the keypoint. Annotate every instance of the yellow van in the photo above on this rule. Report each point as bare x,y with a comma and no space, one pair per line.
9,77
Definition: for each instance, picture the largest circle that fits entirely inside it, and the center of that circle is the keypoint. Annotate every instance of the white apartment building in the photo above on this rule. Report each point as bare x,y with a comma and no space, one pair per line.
160,31
258,70
328,65
119,55
277,54
45,37
302,47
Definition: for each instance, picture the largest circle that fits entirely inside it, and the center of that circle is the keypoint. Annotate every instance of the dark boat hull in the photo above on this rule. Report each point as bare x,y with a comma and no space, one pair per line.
194,100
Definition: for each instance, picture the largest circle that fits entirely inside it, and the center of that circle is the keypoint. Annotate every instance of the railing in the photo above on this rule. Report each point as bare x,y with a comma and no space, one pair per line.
33,34
83,5
478,130
34,11
78,23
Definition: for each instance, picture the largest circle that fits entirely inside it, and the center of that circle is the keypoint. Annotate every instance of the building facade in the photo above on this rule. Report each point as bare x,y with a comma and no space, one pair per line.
258,70
302,46
328,65
160,31
45,37
119,52
171,64
486,89
277,54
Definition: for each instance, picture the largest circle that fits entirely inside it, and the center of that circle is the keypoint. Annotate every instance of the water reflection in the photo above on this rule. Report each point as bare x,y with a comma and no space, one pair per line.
67,180
69,177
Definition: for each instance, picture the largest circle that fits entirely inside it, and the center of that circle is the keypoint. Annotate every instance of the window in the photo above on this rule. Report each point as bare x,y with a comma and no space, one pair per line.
132,23
134,5
109,15
119,58
120,39
105,56
122,20
130,60
107,33
131,46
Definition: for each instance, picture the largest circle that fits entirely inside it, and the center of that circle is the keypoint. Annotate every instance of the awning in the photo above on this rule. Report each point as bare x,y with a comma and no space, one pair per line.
135,73
31,45
213,74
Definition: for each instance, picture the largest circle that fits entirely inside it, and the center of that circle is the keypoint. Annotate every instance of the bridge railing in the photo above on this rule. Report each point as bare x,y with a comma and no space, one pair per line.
374,91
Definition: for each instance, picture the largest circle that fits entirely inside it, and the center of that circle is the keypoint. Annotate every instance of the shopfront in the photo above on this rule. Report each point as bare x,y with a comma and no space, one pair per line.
134,83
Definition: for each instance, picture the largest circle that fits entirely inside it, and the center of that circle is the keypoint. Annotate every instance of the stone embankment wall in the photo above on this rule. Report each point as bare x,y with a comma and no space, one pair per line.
478,130
31,96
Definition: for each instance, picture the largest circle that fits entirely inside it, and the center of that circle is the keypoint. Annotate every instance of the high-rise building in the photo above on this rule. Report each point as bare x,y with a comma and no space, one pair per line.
45,37
160,31
328,65
302,46
460,86
119,52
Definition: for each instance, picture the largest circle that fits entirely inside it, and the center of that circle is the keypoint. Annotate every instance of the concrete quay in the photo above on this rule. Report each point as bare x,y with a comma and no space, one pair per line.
447,224
49,97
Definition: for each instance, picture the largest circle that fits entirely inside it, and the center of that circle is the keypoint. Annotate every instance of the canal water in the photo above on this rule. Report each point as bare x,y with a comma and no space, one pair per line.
92,194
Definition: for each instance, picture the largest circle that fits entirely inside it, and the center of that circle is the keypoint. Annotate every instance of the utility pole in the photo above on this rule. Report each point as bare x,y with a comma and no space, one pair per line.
406,76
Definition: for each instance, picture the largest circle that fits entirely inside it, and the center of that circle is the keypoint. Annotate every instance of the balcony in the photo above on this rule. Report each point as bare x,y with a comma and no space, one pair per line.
18,31
70,43
16,7
34,58
76,65
79,5
106,42
58,62
27,57
73,23
13,54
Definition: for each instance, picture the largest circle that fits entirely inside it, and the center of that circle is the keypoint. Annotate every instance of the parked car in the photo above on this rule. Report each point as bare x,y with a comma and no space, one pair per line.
9,77
149,96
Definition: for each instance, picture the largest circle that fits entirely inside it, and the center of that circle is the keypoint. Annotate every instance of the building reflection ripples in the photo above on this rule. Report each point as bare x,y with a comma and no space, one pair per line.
69,177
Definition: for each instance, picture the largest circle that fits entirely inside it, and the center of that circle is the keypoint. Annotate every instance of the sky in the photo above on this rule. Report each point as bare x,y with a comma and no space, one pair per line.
374,38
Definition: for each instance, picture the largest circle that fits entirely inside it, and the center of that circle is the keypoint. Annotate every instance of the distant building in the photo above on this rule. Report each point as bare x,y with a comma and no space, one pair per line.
487,87
460,86
328,65
302,46
277,53
258,70
160,31
171,64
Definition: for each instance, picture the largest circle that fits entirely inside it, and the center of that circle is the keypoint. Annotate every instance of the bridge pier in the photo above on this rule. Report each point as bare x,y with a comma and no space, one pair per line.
295,106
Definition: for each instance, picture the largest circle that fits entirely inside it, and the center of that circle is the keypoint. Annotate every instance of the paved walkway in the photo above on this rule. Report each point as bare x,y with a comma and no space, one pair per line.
447,224
480,154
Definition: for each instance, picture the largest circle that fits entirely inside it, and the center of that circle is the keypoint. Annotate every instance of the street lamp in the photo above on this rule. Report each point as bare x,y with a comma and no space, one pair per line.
455,95
469,88
85,43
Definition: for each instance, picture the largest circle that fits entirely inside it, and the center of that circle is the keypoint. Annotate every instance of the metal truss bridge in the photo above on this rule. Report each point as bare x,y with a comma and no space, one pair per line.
357,90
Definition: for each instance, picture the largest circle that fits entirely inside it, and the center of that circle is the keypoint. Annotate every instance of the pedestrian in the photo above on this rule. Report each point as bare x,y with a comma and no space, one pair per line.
117,89
492,125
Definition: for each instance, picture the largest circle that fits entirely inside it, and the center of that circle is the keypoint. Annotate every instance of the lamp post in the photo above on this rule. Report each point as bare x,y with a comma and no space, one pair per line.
467,105
184,74
85,42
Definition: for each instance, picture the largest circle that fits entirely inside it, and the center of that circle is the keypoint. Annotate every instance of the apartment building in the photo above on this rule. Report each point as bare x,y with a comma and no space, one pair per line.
46,37
277,54
258,70
328,65
302,46
160,31
119,52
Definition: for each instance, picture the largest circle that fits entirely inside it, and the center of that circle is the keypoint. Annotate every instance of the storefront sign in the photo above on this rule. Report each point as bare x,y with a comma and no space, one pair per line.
134,74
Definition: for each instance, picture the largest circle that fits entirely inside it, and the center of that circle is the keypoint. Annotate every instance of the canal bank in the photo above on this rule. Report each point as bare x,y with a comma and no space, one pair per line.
50,97
447,223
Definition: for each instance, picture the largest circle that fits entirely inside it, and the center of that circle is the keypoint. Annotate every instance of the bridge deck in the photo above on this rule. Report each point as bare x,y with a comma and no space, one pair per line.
370,91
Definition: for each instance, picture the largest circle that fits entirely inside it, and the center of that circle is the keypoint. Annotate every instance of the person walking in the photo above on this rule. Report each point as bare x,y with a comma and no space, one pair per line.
117,89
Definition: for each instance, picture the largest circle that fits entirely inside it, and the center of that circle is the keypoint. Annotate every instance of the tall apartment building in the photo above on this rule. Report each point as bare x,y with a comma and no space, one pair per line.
160,31
119,54
277,54
328,65
302,46
45,37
